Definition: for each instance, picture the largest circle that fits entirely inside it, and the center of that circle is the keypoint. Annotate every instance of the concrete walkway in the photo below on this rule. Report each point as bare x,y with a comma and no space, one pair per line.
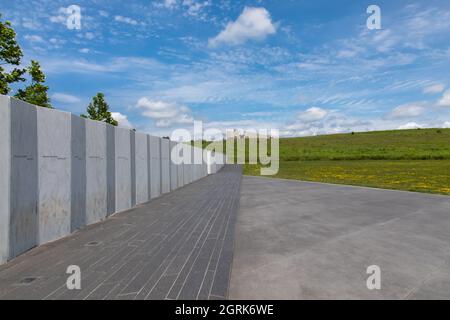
298,240
178,246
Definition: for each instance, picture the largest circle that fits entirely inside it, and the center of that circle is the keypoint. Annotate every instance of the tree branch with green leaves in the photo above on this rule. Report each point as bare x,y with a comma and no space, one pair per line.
10,55
36,92
98,110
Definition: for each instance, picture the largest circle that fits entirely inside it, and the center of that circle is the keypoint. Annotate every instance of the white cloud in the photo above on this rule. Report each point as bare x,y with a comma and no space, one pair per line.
31,24
57,42
253,23
165,113
239,125
347,53
435,88
58,19
122,120
385,40
61,17
89,35
65,98
410,125
332,122
84,50
125,20
259,114
312,114
194,7
170,4
445,100
406,111
118,64
446,124
190,8
103,13
34,38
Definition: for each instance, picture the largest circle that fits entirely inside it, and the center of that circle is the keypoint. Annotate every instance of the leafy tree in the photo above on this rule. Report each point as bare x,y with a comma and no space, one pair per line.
10,54
36,93
98,110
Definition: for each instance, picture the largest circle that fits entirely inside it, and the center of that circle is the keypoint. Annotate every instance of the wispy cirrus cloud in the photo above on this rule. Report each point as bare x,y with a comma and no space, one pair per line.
65,98
406,111
34,38
435,88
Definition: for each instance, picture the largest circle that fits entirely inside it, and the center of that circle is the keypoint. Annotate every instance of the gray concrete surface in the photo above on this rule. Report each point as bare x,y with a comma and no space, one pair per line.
23,214
191,170
299,240
141,155
54,175
197,163
173,169
175,152
5,172
178,246
186,164
132,172
78,173
215,161
110,169
59,172
165,165
96,172
180,178
155,166
123,169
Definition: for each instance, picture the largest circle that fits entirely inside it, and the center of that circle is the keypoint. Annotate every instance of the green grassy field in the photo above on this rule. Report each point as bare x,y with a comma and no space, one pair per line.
421,144
431,176
413,160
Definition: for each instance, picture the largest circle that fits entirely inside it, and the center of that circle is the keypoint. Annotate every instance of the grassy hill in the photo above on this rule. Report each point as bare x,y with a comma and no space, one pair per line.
415,144
414,160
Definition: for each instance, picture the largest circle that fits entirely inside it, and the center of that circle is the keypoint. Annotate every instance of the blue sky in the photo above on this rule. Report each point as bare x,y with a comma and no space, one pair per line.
304,67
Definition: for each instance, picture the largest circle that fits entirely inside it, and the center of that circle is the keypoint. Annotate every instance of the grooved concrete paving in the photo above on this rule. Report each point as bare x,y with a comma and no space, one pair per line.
178,246
300,240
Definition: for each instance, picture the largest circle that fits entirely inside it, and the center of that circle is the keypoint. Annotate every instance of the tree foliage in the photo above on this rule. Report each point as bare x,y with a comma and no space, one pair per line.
36,92
10,55
98,110
10,58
